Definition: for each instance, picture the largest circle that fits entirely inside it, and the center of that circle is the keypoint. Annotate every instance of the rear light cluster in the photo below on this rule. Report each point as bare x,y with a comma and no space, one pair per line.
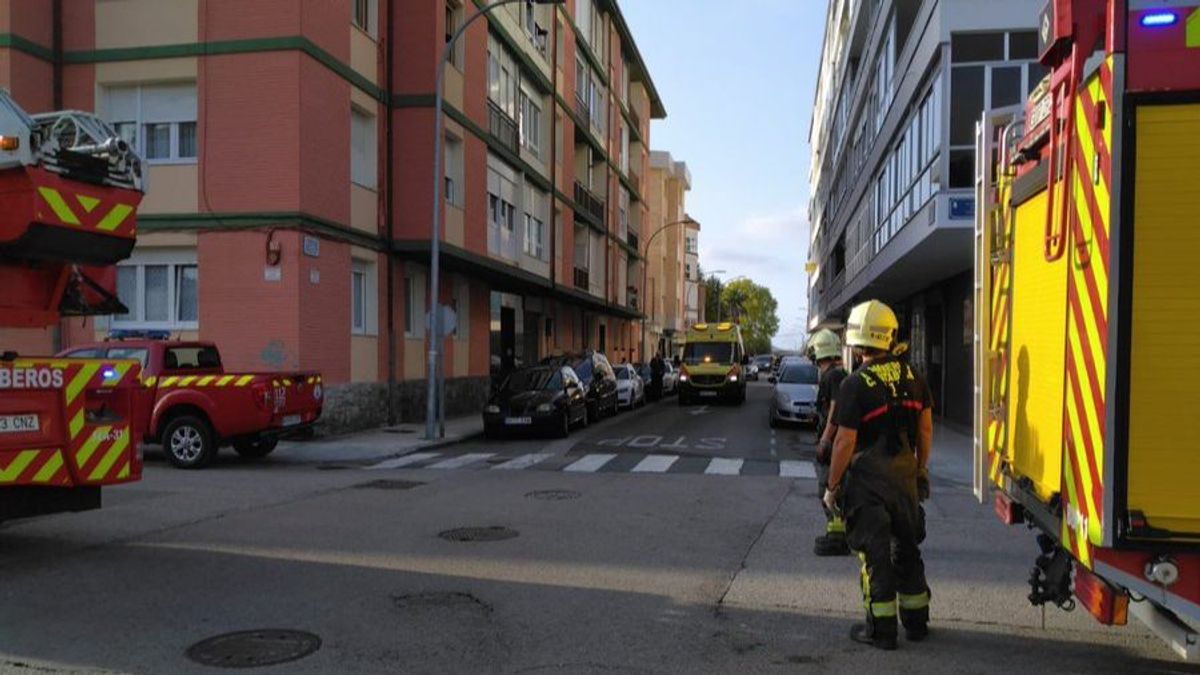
1109,605
683,375
261,393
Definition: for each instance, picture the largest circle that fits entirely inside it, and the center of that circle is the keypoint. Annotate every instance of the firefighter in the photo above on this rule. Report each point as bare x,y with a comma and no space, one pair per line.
825,350
878,476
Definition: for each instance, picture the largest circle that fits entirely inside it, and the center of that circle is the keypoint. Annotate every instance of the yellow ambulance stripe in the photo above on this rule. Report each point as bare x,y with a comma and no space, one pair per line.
244,380
18,465
80,380
206,380
89,447
224,380
47,472
115,217
58,205
76,424
111,457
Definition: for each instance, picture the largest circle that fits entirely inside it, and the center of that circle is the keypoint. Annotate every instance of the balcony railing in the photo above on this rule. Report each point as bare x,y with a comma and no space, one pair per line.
503,127
590,204
581,279
582,111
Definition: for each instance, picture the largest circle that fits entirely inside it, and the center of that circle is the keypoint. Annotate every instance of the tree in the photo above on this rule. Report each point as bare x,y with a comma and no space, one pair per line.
712,291
754,308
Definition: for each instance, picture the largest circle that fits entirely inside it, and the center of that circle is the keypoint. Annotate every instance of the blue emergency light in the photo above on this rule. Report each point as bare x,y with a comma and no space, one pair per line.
1159,19
109,373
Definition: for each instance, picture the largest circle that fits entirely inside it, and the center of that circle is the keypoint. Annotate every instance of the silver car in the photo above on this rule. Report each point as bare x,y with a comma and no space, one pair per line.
794,399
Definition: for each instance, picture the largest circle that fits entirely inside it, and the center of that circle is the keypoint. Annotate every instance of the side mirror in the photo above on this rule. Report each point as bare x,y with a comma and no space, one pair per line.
771,379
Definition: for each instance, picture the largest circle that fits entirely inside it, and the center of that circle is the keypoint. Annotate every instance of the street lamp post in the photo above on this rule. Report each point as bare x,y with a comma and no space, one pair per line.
645,271
433,373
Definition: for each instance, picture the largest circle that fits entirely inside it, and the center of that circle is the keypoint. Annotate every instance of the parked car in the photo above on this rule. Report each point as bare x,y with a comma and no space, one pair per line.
785,361
645,373
599,381
631,390
196,406
794,399
670,378
540,398
764,363
751,372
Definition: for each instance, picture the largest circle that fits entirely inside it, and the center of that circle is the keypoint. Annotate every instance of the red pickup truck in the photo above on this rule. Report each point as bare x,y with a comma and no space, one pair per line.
195,407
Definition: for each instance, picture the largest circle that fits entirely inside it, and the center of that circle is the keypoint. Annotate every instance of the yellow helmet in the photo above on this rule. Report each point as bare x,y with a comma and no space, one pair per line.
872,324
824,344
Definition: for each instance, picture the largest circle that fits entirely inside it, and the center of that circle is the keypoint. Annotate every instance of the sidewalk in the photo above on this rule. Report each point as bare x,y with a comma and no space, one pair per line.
382,443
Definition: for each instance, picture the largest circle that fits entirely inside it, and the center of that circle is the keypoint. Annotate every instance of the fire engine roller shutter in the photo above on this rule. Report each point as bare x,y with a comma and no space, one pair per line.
1164,425
1036,357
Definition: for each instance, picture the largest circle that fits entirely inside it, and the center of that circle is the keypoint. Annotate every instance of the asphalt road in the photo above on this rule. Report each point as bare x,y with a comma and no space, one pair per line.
613,570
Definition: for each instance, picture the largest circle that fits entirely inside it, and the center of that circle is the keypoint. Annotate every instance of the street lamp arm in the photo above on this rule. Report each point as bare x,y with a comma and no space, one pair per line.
646,271
433,374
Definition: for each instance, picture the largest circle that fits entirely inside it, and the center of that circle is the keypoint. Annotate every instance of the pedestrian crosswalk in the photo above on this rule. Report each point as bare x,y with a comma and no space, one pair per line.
655,463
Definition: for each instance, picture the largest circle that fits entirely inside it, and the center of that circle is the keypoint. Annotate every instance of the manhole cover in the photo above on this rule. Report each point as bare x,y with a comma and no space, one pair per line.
254,648
553,495
386,484
492,533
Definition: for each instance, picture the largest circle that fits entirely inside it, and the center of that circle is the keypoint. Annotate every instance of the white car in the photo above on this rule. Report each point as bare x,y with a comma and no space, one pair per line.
670,378
794,399
631,391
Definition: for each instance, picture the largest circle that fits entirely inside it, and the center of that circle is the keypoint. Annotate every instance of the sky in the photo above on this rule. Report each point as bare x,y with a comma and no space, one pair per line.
737,80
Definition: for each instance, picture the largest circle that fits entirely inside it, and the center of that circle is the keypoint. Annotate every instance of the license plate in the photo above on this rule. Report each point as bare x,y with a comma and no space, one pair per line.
18,424
518,421
291,420
708,393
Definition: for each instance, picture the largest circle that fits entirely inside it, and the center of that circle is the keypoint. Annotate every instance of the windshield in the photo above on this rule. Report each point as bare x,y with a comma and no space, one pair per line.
762,360
799,374
129,353
534,380
583,368
622,373
707,352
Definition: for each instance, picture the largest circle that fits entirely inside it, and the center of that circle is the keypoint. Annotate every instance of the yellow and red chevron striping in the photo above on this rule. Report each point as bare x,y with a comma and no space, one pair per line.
1084,424
33,467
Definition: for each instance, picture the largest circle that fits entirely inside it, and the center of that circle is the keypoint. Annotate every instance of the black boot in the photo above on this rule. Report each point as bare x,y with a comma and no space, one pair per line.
831,544
880,633
916,623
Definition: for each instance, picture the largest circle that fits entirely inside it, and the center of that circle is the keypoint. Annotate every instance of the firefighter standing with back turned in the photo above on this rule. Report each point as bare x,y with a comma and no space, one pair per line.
825,350
879,475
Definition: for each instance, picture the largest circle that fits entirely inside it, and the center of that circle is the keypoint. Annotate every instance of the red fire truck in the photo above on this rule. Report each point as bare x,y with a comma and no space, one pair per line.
69,191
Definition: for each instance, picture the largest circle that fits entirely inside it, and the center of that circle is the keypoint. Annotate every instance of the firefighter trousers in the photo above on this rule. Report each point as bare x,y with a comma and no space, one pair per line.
885,526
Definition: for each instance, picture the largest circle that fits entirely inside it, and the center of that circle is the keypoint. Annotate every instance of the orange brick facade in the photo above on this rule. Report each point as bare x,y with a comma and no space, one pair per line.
289,251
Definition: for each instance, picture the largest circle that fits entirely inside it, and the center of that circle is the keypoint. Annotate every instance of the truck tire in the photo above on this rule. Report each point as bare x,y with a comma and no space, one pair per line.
188,442
256,448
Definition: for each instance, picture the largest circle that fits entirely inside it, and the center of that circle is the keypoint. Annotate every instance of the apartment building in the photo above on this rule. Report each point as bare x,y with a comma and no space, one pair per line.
673,269
900,87
290,153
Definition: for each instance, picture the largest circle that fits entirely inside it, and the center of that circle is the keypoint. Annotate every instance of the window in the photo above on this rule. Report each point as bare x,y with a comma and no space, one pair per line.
503,85
972,47
1006,86
531,124
161,290
454,170
531,23
414,303
535,222
410,300
966,103
453,21
159,121
364,149
358,298
188,358
362,15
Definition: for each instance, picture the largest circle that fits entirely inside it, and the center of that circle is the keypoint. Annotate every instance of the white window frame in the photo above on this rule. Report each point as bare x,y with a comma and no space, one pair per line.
454,17
453,162
363,276
531,132
140,123
174,260
364,16
414,304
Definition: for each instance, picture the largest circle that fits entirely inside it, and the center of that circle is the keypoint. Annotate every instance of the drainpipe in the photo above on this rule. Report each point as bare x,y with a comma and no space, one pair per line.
388,196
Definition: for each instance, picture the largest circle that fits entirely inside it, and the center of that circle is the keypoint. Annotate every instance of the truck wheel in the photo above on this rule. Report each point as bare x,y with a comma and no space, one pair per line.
256,448
188,442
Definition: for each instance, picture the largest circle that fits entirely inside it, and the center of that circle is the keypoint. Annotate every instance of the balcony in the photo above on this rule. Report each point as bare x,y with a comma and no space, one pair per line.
581,278
502,127
582,111
591,205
